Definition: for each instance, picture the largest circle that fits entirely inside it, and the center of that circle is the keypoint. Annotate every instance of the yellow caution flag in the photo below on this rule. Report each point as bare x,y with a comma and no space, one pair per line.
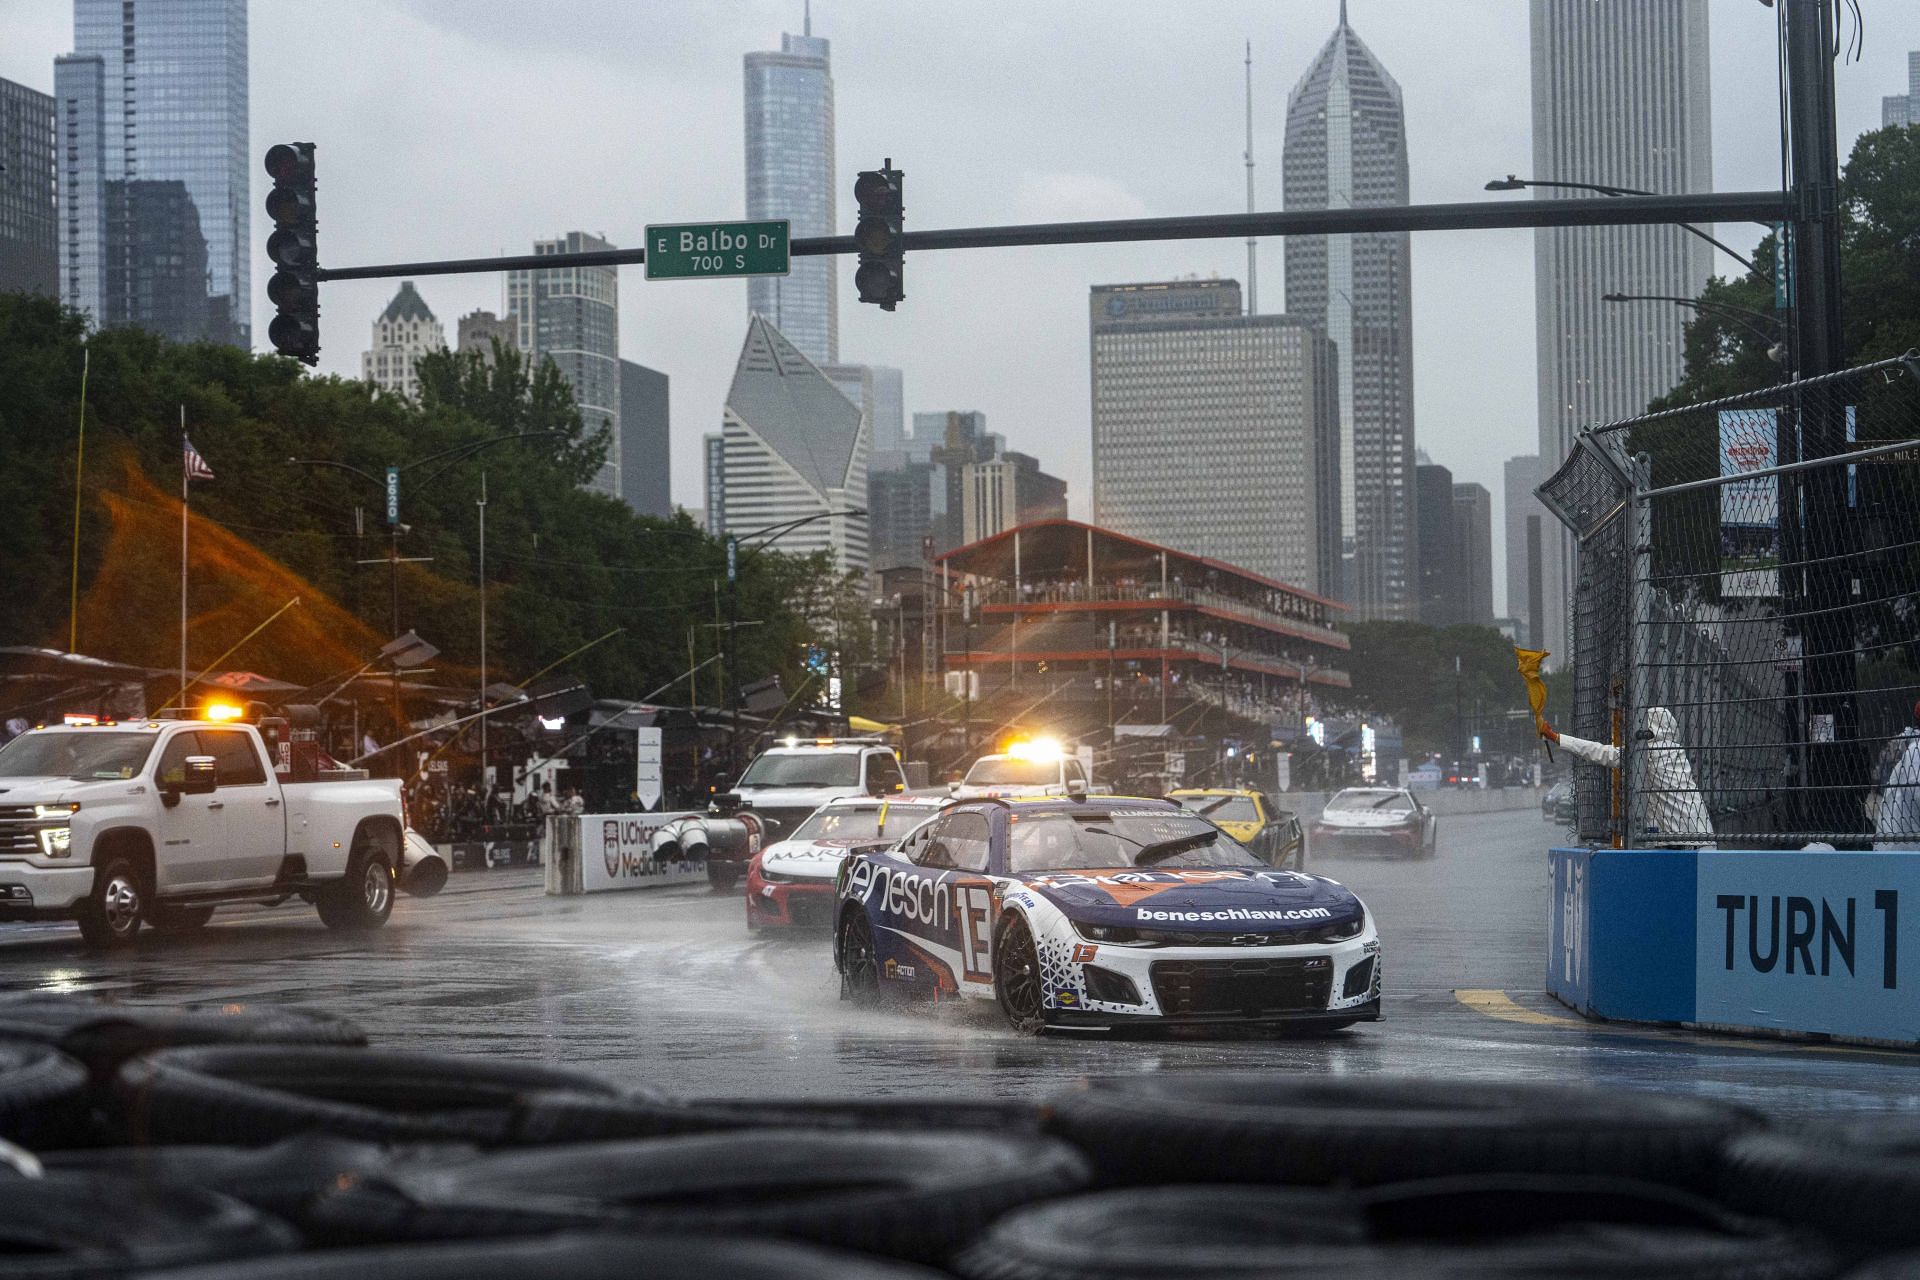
860,724
1529,661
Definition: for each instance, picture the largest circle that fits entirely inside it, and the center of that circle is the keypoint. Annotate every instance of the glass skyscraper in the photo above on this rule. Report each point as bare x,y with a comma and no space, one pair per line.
571,315
790,172
152,123
29,241
1347,148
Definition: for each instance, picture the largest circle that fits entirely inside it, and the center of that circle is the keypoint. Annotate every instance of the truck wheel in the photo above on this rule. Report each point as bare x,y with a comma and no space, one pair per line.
110,915
178,919
363,898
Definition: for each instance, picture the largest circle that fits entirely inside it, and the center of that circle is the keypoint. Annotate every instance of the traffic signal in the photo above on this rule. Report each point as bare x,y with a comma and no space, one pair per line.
880,235
296,330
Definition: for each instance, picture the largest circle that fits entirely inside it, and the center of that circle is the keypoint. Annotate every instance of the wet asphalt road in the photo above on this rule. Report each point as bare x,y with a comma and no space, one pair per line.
665,988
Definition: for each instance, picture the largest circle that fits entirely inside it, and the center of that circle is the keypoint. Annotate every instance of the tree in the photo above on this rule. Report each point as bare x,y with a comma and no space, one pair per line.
564,566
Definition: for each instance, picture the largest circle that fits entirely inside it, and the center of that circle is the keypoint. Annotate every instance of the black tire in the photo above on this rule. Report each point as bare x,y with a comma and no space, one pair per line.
1451,1227
723,875
1017,983
283,1179
363,898
867,1114
901,1194
171,919
253,1096
859,961
72,1225
577,1257
110,915
43,1097
1841,1179
1317,1131
103,1035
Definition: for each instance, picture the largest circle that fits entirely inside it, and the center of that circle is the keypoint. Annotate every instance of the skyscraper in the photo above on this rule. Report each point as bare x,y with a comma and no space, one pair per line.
571,315
1904,108
1346,147
645,441
402,333
1522,475
1212,430
1473,554
1433,524
478,330
29,235
155,93
1619,98
790,174
790,446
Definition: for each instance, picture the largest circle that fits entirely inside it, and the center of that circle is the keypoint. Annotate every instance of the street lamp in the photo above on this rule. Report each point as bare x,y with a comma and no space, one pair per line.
1511,183
1776,348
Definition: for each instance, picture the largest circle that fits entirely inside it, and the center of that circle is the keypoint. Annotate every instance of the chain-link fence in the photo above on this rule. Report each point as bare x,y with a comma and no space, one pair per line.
1745,617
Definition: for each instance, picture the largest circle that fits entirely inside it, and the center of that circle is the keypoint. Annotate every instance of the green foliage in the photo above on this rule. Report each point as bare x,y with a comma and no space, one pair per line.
564,566
1406,670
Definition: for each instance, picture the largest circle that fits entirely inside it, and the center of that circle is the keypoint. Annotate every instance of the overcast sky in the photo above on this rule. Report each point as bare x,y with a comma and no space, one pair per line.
458,128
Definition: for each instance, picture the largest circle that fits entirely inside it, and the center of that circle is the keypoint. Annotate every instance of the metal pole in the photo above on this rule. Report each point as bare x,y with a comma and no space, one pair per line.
79,474
482,504
1633,763
1817,503
184,481
1253,285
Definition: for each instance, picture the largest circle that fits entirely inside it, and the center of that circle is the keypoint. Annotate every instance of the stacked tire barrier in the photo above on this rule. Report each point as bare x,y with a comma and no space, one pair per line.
237,1142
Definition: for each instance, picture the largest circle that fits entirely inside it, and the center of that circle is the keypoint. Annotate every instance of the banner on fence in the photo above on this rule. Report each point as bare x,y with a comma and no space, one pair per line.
1749,509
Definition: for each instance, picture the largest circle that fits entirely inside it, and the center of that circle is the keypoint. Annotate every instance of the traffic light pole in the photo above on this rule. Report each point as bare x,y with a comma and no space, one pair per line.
1728,206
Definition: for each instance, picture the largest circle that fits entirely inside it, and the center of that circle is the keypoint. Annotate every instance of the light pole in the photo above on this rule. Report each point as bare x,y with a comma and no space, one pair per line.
1511,183
1776,349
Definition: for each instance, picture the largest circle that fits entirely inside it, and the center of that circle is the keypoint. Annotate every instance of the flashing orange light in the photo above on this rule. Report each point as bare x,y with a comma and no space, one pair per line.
79,719
1035,749
223,711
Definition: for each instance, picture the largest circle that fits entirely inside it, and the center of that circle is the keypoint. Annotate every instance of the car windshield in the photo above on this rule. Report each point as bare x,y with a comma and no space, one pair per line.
803,769
1221,808
1085,840
869,822
1007,771
87,755
1377,801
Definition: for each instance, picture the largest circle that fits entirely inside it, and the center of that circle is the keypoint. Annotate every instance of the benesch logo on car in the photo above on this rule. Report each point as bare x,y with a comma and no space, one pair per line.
1231,913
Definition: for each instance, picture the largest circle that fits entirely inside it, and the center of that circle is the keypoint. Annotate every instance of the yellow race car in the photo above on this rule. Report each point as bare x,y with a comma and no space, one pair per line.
1275,835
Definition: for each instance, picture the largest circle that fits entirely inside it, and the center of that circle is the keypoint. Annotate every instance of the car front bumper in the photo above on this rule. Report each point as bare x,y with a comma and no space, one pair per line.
29,892
788,904
1103,984
1365,839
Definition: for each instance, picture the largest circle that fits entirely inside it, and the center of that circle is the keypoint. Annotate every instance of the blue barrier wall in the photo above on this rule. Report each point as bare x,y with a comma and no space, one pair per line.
1813,941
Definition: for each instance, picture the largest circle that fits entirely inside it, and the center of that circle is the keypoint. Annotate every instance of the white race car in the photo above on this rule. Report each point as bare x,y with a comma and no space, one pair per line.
1387,820
1100,912
791,883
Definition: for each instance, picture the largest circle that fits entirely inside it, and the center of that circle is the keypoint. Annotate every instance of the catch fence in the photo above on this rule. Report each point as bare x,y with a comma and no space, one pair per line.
1752,565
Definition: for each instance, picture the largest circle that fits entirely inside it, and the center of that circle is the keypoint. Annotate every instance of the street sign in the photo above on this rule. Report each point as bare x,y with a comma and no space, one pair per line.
646,758
712,250
733,558
393,495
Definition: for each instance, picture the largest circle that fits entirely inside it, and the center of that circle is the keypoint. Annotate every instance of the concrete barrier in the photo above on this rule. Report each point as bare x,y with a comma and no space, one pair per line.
592,853
1781,942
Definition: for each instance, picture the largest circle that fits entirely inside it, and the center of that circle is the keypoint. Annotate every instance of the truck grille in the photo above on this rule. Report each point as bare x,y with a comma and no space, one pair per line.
1250,988
16,813
18,840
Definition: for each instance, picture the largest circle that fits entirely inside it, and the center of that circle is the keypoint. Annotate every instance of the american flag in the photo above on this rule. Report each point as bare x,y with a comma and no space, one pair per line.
196,466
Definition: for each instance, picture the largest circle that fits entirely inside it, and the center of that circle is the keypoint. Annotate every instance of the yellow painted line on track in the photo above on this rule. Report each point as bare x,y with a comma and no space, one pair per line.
1498,1004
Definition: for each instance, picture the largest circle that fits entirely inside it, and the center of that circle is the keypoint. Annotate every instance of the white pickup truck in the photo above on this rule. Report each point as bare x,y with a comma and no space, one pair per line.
162,821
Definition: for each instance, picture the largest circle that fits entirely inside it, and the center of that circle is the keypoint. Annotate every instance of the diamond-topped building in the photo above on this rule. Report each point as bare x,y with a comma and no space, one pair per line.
791,445
1346,147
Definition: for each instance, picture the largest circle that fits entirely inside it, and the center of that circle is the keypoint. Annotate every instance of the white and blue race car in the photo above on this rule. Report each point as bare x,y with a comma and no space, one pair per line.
1099,912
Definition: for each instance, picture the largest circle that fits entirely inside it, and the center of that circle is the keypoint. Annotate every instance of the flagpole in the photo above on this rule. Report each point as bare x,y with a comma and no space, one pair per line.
79,474
185,480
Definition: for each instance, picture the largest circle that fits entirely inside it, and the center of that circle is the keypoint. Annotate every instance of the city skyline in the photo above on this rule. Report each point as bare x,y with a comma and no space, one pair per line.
385,193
